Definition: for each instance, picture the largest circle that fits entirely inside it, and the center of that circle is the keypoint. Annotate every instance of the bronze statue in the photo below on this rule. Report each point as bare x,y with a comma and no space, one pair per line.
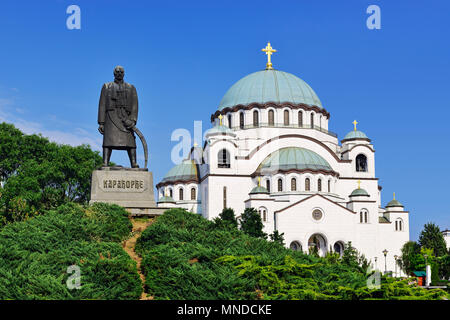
117,117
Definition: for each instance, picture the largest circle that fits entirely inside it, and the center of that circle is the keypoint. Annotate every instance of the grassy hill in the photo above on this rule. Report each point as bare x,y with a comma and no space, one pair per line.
35,255
188,257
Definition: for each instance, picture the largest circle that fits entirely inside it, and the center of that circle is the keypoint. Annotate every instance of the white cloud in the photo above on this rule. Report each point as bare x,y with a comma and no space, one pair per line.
73,136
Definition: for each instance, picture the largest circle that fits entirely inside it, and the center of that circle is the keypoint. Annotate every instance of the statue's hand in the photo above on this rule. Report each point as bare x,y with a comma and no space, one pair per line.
129,124
101,129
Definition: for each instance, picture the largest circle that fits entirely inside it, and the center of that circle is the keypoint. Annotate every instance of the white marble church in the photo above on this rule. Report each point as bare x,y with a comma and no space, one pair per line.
270,149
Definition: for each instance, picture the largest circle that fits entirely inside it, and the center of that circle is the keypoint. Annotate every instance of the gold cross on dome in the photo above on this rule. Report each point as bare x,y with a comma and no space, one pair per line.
359,184
354,124
259,181
220,119
195,144
394,195
269,51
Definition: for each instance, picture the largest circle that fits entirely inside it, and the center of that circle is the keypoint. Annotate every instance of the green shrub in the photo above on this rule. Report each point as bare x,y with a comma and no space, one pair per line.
188,257
35,255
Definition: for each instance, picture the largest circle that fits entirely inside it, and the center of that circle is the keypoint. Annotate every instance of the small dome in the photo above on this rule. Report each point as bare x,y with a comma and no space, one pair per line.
359,192
293,158
269,86
355,134
219,130
166,199
185,171
258,189
394,203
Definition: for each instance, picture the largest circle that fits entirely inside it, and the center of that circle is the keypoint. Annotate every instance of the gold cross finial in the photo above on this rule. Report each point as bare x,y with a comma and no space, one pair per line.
259,181
354,124
394,195
195,144
269,51
220,119
359,184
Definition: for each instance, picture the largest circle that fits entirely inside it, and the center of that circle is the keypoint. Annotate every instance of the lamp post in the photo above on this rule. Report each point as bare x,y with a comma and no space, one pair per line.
385,252
396,257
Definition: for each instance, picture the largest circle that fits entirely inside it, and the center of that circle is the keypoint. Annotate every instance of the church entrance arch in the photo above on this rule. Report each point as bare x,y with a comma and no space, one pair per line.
318,243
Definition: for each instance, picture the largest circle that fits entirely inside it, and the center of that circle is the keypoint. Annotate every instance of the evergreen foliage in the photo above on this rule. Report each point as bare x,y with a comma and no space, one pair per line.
251,223
277,237
432,238
227,214
35,255
188,257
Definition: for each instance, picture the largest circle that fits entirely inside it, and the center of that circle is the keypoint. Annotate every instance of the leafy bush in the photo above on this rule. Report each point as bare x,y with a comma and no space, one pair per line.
37,175
188,257
35,255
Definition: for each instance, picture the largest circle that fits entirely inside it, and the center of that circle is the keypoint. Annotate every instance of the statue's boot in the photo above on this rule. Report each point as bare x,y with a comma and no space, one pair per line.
132,156
106,156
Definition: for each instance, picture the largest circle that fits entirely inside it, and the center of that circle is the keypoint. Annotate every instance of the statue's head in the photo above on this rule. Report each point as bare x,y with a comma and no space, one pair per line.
119,73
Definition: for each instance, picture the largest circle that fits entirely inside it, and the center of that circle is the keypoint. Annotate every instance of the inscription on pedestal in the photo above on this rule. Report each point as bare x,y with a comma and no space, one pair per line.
128,188
117,184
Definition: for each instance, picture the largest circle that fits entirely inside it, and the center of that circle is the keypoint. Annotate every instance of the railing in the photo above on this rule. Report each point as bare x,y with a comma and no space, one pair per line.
282,125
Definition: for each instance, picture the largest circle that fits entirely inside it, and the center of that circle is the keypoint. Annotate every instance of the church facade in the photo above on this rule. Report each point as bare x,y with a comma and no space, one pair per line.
270,148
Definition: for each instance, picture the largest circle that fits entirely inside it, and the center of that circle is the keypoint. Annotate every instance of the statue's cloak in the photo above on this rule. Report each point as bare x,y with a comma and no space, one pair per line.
118,103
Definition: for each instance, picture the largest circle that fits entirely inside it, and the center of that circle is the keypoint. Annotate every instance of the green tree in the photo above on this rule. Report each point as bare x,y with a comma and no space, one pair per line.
352,258
410,257
251,223
432,238
227,214
40,175
277,237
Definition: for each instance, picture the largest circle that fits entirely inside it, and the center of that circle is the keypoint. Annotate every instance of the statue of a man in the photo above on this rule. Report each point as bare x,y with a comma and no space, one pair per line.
117,115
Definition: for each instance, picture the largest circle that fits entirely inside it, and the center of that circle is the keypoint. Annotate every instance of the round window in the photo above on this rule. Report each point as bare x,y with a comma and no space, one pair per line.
317,214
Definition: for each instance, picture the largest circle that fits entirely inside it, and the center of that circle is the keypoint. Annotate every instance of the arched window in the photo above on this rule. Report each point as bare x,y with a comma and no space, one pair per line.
263,214
319,185
300,119
229,120
364,216
271,118
241,120
180,194
296,246
339,247
399,225
329,185
293,184
193,194
361,163
268,185
170,192
286,117
320,122
224,197
223,159
312,120
307,184
255,118
280,185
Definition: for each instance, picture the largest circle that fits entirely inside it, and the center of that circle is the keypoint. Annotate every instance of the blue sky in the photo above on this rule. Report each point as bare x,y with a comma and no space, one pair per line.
183,56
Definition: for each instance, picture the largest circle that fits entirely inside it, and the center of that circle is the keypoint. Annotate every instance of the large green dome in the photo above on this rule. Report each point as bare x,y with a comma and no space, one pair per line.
293,158
270,86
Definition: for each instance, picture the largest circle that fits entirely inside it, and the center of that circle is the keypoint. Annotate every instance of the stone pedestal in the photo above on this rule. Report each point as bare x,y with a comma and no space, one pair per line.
129,188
